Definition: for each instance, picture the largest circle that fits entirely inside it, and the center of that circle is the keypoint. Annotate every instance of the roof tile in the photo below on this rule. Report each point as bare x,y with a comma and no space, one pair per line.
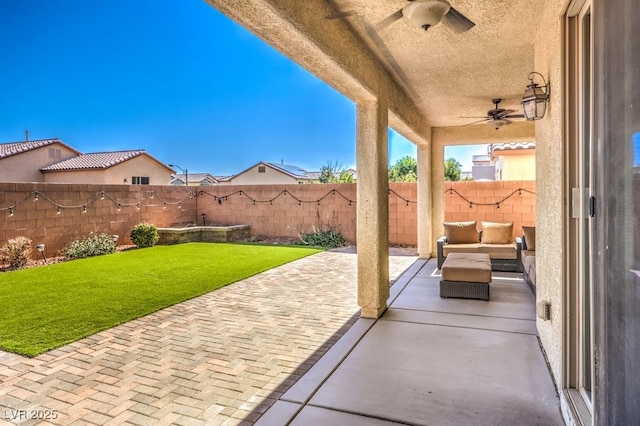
96,160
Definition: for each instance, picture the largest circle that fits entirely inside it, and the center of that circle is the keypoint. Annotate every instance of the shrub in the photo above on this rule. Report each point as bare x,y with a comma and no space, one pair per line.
144,235
16,252
92,245
328,238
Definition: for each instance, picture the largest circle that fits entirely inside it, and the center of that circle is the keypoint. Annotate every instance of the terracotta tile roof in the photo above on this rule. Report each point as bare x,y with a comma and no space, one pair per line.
12,148
96,160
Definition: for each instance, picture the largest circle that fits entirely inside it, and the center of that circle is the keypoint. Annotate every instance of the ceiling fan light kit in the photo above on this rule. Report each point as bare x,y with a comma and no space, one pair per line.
534,100
426,13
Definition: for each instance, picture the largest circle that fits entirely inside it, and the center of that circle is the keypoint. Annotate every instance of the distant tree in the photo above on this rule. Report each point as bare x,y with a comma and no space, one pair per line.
452,169
404,170
334,173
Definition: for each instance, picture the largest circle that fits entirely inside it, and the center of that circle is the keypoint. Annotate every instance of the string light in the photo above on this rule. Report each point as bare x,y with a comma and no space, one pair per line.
495,204
151,194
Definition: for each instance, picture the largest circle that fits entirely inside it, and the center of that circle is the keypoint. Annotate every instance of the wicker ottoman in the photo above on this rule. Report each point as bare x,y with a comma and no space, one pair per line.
466,276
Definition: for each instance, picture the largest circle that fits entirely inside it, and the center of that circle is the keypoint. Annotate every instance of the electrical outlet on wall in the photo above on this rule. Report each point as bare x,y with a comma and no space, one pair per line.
544,310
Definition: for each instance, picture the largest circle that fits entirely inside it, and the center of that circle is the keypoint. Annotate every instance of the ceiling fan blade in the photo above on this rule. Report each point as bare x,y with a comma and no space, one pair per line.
479,121
514,116
389,20
486,118
504,113
457,21
338,15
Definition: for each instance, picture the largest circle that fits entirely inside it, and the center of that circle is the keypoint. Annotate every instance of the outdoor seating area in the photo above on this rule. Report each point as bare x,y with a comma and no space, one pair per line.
493,238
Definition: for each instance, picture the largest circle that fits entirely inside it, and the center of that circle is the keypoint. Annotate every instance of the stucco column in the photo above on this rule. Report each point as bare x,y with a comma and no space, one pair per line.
424,201
373,208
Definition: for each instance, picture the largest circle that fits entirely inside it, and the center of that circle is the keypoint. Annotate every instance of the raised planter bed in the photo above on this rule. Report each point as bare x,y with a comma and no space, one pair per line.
218,234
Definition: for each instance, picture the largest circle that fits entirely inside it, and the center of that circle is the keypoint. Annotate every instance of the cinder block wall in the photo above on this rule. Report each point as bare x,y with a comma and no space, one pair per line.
117,213
518,207
270,210
275,213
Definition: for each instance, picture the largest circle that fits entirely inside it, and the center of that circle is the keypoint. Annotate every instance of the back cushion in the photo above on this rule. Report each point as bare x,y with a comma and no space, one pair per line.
461,232
497,233
529,233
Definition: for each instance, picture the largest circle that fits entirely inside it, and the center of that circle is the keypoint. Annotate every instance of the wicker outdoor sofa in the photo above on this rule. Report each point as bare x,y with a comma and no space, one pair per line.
495,239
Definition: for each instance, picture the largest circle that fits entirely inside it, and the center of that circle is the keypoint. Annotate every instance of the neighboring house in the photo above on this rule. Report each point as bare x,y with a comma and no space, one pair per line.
483,168
22,161
506,161
265,173
195,179
134,167
51,160
514,161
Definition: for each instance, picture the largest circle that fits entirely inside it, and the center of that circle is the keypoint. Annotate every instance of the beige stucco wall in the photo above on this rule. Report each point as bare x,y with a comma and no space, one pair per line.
518,165
141,165
269,177
25,167
549,178
464,135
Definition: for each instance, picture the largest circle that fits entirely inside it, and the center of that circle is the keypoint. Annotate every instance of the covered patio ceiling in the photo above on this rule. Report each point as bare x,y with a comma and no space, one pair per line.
435,77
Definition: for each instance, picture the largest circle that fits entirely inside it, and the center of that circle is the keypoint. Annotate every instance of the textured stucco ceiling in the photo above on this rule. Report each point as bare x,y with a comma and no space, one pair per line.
442,74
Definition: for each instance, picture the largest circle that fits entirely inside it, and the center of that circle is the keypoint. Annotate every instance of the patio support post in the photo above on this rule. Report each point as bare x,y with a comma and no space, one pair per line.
424,201
373,208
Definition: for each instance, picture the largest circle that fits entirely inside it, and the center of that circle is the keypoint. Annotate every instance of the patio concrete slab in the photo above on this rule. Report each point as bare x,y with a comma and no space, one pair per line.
510,298
440,361
427,374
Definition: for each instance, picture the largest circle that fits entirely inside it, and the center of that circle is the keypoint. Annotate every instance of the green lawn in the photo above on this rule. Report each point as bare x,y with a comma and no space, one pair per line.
47,307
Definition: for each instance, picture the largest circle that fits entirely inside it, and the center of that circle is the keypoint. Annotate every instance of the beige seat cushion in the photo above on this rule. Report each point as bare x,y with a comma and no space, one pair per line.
461,232
499,251
447,249
529,233
497,233
467,267
495,251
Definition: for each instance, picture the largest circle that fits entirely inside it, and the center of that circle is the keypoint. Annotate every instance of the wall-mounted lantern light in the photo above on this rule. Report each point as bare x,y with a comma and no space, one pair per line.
534,101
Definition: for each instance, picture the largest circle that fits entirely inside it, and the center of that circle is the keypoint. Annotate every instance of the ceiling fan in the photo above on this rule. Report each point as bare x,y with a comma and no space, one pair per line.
498,117
422,14
428,13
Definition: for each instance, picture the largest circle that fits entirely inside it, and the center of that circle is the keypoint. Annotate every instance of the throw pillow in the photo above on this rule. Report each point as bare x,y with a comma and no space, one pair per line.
529,233
497,233
461,232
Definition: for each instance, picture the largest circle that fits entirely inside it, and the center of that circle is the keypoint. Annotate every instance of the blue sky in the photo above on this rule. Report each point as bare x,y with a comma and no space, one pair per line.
176,78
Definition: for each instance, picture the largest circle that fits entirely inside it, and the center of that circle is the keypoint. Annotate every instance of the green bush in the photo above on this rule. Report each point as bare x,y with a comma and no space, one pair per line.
16,252
92,245
144,235
328,238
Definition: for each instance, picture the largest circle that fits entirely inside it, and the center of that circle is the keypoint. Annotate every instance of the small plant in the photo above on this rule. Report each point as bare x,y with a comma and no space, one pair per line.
328,238
92,245
144,235
16,252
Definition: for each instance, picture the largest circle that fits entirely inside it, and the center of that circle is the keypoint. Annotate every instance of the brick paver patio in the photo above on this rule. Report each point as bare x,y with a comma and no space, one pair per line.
219,359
